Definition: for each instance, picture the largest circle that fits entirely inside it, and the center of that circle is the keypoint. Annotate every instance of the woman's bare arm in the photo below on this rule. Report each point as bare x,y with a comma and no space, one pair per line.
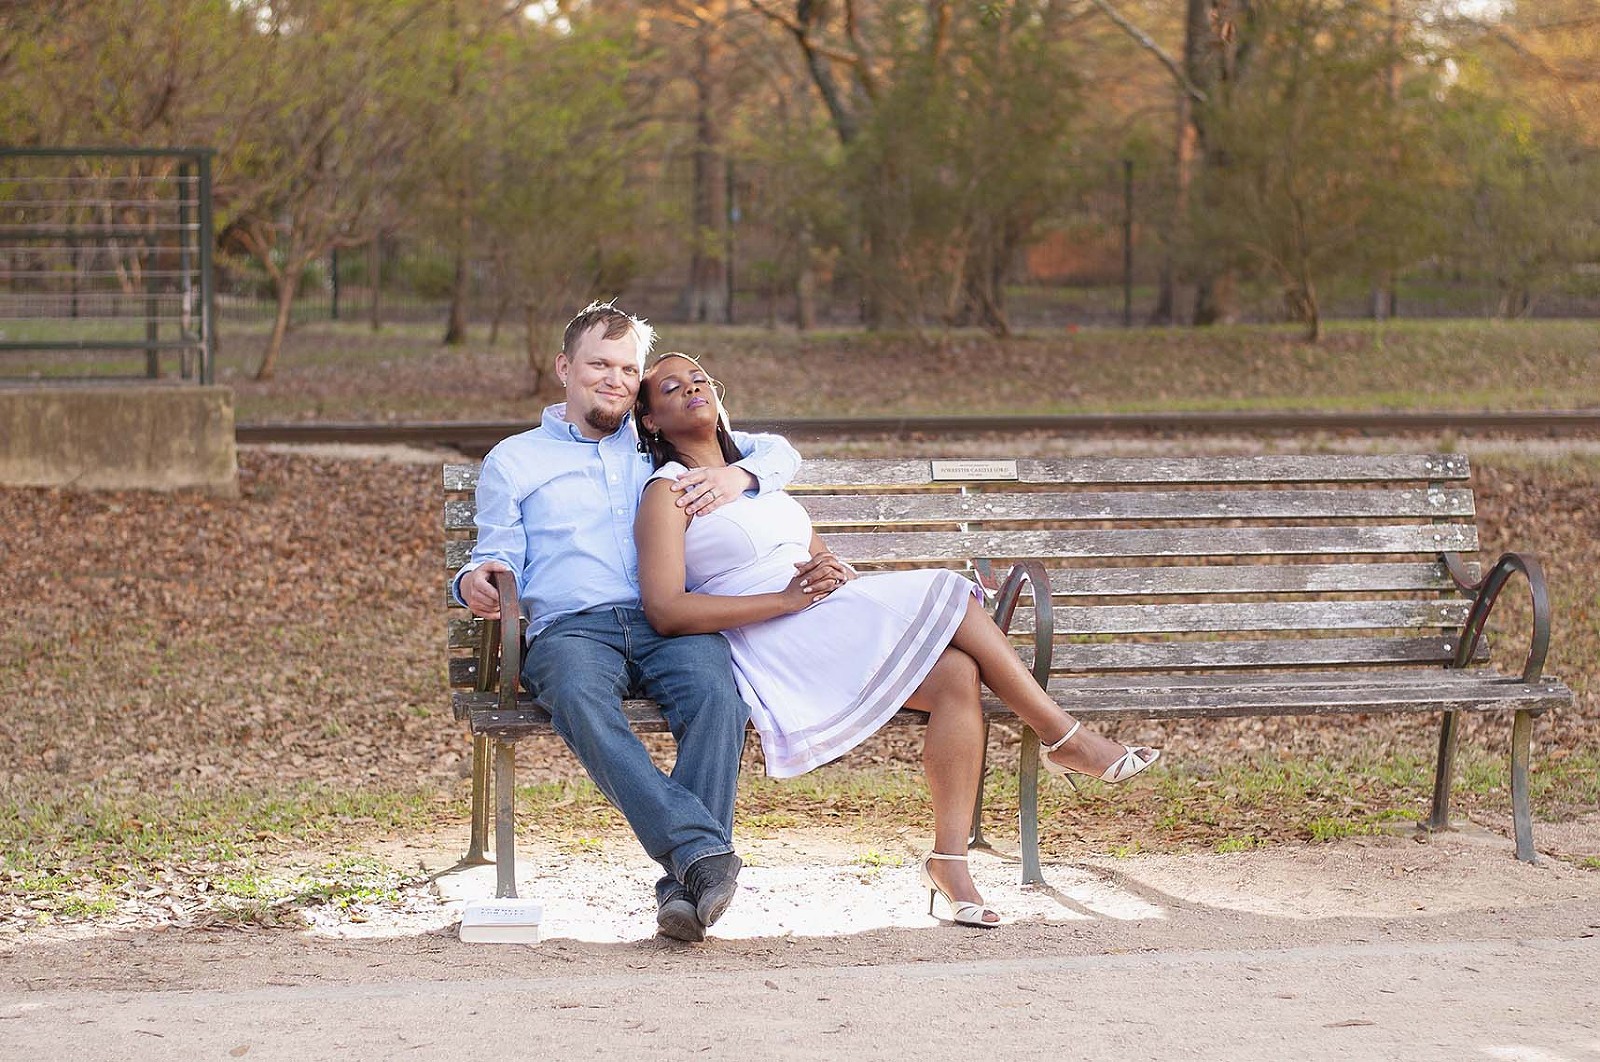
670,608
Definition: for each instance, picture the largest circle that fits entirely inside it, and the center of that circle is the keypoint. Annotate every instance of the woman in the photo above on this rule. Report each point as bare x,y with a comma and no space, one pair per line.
826,658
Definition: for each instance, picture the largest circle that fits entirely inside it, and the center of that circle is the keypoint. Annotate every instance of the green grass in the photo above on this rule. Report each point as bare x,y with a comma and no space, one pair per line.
72,854
872,859
343,371
1236,844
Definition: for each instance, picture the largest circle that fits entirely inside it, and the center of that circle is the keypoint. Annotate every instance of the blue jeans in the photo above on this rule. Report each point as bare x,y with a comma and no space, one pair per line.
581,667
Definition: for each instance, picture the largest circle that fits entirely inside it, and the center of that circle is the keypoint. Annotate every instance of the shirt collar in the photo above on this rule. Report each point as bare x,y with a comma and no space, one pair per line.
555,422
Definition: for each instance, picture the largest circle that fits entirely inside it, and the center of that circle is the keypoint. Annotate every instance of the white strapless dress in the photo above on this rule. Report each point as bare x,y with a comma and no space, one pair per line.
818,682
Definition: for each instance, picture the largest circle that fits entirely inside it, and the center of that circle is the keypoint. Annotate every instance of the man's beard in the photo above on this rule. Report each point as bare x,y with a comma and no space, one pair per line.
604,419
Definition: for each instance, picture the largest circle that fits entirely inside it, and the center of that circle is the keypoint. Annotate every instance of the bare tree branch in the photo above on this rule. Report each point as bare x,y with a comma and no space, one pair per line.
1148,43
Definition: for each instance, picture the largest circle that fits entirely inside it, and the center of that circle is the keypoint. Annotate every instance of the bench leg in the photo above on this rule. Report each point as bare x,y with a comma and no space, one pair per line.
1521,811
977,839
1443,773
479,840
1028,807
505,836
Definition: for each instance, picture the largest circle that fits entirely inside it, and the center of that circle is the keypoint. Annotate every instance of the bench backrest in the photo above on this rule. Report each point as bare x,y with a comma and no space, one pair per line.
1156,564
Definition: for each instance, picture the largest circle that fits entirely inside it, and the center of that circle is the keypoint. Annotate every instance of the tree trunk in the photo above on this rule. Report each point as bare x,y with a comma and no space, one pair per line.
1166,308
501,290
1382,296
1383,287
455,331
287,288
1211,52
1300,301
982,289
1216,298
375,281
536,367
706,296
880,300
1516,301
494,321
805,283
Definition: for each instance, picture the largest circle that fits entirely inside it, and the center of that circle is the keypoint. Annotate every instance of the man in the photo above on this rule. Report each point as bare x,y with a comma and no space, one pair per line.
556,509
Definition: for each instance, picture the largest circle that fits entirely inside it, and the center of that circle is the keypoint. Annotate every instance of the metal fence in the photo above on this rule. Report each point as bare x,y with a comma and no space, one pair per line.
1099,263
106,264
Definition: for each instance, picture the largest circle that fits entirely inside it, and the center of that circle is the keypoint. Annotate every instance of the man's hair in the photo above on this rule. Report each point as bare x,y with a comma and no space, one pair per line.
617,323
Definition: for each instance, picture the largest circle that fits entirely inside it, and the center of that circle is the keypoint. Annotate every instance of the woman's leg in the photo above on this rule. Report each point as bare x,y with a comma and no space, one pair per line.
1002,671
952,757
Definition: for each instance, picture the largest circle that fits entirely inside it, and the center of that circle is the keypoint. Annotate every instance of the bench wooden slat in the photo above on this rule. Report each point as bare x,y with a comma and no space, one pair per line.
1231,658
465,632
935,546
941,546
844,510
1482,695
530,720
1230,579
1165,683
1174,580
1253,616
1247,654
1322,468
1459,691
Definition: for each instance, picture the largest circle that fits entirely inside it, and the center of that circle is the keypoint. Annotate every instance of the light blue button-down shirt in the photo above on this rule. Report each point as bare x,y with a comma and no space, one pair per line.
557,508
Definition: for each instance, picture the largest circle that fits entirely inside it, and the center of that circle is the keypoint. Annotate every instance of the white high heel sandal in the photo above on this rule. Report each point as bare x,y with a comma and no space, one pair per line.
1122,768
962,912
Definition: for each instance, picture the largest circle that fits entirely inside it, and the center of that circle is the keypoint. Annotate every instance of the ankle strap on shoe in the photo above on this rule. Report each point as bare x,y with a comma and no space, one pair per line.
1077,724
951,858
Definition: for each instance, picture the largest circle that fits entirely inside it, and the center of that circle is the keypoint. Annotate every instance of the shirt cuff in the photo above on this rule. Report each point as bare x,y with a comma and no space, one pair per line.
455,583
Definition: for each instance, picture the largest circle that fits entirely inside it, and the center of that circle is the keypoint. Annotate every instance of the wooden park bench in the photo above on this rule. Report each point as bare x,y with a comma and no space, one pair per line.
1178,588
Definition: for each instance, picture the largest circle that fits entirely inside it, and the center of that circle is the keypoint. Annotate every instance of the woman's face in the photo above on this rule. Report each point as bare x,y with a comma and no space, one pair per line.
681,398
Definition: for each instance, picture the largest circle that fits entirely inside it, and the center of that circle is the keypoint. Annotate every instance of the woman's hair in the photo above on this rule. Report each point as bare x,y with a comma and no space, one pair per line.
654,443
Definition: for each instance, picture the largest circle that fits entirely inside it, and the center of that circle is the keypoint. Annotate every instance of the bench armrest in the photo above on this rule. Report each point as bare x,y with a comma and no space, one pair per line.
502,644
1486,592
1033,573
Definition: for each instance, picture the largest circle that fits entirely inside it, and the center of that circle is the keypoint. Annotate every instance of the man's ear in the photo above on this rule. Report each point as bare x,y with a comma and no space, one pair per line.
563,366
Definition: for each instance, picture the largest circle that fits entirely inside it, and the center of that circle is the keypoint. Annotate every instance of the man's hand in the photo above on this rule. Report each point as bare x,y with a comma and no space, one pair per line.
706,490
479,591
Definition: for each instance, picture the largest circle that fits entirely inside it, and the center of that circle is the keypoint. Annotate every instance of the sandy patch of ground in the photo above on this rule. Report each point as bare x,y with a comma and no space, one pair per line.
838,896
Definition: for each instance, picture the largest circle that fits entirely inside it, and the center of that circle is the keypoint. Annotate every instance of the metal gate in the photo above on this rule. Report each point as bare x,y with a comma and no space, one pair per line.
106,264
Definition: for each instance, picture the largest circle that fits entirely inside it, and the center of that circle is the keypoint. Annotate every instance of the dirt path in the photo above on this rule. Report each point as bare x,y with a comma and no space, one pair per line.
1372,947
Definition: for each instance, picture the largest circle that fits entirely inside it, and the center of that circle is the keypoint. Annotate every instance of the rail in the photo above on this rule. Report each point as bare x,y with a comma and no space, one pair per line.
476,437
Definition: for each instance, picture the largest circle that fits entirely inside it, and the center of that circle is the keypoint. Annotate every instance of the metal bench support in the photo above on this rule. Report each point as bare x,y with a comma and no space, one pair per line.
1028,807
505,823
1521,811
1444,773
977,839
479,842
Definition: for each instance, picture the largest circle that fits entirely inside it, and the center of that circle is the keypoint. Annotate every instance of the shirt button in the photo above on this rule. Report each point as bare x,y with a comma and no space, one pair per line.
619,512
613,477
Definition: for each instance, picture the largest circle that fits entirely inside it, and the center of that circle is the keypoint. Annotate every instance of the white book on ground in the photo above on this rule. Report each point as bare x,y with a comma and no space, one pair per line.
501,921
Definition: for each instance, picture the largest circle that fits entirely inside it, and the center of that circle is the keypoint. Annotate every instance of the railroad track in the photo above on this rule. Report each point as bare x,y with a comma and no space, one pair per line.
476,437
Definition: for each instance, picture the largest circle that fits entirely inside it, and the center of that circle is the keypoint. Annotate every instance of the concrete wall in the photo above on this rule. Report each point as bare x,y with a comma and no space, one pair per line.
127,436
